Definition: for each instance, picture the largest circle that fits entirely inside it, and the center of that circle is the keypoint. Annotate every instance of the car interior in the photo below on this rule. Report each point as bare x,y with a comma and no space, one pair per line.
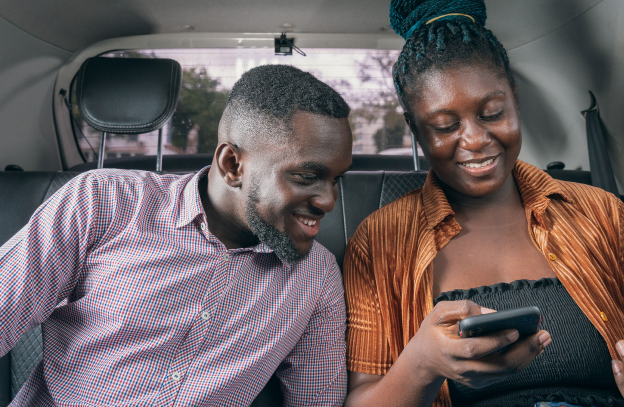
72,71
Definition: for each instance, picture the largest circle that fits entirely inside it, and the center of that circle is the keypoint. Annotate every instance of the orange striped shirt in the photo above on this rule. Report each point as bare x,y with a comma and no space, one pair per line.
388,270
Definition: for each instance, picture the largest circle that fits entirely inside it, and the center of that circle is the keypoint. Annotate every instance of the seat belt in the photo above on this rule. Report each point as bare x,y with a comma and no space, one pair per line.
599,164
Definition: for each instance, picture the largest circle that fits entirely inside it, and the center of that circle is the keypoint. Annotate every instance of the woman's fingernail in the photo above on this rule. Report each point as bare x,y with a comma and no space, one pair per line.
620,347
547,342
543,338
487,310
617,368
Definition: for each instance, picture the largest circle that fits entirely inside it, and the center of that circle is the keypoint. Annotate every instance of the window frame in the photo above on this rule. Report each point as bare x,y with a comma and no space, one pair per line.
70,154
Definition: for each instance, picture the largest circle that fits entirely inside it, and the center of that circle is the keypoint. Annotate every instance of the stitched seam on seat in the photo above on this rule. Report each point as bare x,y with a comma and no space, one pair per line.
383,187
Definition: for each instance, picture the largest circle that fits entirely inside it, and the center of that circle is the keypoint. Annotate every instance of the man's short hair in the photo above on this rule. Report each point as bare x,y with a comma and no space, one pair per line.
283,90
264,100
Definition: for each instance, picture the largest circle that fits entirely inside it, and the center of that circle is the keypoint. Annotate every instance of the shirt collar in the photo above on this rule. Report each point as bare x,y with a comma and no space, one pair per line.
190,207
536,187
435,204
536,190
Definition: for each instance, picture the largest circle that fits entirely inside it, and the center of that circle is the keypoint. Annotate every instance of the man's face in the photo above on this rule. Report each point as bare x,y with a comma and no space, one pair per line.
293,184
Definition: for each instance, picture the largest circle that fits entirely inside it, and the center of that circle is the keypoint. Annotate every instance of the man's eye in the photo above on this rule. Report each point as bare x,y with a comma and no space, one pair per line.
337,179
306,179
493,116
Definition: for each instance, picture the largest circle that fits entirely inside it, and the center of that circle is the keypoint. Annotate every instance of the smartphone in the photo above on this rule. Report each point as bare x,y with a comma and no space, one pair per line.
526,320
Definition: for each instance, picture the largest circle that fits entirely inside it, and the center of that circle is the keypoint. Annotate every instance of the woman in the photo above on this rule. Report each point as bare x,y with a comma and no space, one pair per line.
485,229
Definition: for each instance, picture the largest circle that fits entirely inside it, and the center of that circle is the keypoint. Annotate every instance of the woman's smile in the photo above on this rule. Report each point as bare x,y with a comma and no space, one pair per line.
479,167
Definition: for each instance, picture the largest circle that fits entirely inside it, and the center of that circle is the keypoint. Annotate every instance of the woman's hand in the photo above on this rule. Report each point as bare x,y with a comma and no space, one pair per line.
437,352
618,367
471,361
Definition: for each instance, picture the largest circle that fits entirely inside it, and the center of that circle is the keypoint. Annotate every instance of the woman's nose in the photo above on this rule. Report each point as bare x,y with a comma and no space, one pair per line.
475,137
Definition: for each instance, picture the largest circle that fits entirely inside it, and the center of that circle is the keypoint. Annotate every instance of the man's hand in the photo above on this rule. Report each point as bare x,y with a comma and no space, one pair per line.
618,366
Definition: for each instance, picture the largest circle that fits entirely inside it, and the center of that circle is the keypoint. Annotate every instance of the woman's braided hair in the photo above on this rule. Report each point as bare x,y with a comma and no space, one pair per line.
445,42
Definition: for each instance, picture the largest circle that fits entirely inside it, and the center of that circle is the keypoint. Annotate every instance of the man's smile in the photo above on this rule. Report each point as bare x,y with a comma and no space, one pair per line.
308,225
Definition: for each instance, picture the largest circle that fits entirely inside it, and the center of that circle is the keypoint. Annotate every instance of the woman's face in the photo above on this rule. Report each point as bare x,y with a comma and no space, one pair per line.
466,121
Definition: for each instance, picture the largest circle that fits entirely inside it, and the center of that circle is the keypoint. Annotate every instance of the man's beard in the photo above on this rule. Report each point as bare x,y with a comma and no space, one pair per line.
279,242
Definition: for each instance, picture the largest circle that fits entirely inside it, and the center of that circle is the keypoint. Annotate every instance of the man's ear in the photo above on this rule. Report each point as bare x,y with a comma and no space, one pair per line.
227,159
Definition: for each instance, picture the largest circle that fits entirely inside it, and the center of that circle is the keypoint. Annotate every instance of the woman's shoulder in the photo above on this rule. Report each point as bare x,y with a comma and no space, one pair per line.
385,220
589,198
536,182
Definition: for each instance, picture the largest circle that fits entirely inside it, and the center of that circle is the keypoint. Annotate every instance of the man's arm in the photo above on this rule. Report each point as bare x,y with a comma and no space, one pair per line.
315,373
40,265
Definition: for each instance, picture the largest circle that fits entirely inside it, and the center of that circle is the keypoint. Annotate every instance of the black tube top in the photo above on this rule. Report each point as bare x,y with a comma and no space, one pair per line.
575,368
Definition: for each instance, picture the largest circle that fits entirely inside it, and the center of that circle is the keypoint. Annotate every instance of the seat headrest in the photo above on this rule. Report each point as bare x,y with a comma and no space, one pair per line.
127,95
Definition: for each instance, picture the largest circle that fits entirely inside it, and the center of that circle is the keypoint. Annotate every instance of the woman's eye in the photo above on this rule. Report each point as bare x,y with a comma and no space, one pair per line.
446,129
492,116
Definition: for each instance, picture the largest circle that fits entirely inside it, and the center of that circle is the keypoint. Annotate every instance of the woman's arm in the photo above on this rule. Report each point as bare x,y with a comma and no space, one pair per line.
618,365
436,352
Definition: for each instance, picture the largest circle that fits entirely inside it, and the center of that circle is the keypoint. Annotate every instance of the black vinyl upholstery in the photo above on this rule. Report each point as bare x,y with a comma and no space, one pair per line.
21,194
192,162
360,193
127,95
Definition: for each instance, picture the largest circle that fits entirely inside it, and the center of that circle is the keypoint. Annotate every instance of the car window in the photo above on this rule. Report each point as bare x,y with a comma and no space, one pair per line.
362,76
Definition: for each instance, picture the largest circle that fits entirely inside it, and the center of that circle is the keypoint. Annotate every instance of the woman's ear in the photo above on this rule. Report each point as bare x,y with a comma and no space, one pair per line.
411,123
227,159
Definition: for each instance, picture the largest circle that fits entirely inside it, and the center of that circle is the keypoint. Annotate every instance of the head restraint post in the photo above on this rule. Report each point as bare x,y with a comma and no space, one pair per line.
415,152
101,152
159,152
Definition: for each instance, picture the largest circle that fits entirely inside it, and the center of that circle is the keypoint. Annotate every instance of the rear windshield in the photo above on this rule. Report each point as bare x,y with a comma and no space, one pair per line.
362,76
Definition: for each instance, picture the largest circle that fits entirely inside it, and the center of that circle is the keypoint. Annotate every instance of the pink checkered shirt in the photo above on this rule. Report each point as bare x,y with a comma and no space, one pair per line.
158,311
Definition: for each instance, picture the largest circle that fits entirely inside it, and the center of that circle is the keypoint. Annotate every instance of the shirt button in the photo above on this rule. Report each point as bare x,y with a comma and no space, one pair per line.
205,315
226,256
552,256
604,316
202,226
176,376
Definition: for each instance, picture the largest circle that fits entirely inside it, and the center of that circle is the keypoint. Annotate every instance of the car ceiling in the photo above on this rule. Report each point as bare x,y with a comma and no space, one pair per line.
75,24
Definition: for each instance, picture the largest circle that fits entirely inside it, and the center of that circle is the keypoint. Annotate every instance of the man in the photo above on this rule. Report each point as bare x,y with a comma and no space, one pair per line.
192,290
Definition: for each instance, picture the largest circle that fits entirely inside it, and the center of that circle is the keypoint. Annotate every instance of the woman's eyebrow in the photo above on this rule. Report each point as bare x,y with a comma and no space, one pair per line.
492,95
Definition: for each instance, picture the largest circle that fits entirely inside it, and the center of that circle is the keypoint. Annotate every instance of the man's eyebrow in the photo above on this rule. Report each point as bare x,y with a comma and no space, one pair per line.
314,166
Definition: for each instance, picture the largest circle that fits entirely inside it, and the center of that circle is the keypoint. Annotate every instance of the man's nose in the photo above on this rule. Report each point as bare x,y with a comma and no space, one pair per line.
325,199
475,137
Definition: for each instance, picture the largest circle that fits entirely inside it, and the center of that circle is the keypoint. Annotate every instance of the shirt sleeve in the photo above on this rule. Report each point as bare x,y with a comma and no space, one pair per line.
314,373
368,350
40,265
